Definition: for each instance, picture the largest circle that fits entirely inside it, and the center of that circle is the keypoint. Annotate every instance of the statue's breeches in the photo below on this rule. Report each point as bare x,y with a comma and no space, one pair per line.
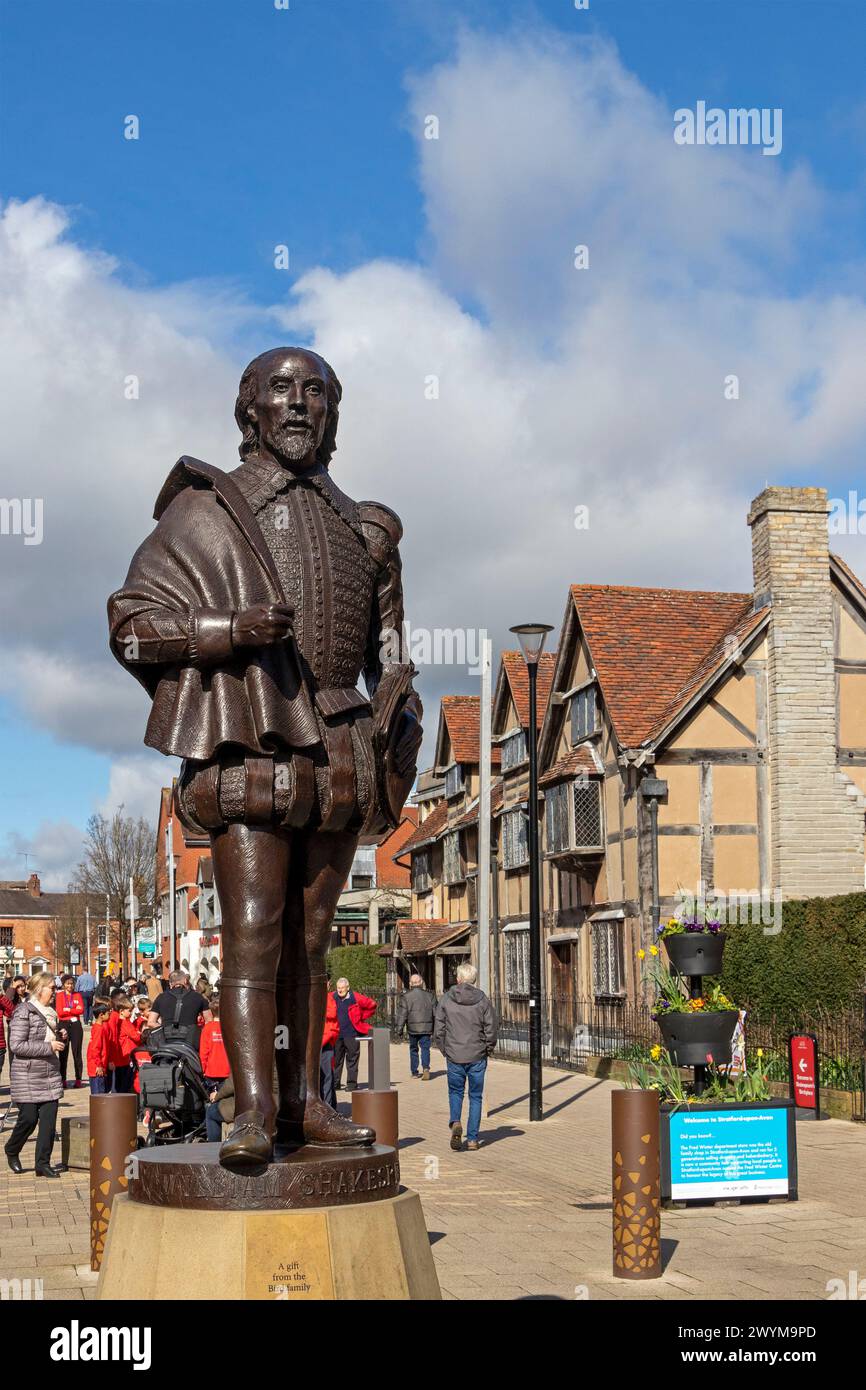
330,786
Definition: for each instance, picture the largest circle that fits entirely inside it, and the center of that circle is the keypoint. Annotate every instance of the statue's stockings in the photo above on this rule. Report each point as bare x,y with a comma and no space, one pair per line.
278,892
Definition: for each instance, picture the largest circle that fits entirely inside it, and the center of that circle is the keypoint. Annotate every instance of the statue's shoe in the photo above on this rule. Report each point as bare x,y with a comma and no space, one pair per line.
324,1128
249,1147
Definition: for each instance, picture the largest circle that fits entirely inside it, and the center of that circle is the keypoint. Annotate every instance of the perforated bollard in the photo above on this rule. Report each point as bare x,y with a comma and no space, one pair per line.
379,1064
636,1193
379,1110
113,1137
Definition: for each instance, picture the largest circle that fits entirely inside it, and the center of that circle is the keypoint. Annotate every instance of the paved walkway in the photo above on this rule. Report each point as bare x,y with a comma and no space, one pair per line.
528,1215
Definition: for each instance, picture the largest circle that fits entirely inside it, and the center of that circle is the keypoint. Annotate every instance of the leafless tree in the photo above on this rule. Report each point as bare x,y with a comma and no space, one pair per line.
116,850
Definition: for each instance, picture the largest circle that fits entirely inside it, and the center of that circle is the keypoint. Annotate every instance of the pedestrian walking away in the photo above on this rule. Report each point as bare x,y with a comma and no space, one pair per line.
465,1031
353,1012
416,1012
35,1044
85,985
70,1013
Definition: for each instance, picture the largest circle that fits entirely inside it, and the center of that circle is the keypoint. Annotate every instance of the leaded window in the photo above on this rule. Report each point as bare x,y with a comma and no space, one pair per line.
453,780
583,713
608,972
421,871
452,868
517,962
556,810
514,750
587,813
515,839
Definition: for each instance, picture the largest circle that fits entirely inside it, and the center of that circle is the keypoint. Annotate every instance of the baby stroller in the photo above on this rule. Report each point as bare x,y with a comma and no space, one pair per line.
172,1091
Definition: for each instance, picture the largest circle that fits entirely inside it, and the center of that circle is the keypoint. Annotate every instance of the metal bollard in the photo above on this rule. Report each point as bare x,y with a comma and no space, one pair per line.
379,1060
379,1110
113,1137
636,1173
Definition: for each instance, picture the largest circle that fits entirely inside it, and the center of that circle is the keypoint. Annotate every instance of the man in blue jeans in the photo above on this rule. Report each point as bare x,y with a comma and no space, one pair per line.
465,1031
416,1011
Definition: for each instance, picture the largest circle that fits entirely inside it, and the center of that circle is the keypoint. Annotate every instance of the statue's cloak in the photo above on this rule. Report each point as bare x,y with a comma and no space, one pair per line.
207,552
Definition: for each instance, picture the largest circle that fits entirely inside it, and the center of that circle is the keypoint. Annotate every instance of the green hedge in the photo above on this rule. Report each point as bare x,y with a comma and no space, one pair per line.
816,963
362,966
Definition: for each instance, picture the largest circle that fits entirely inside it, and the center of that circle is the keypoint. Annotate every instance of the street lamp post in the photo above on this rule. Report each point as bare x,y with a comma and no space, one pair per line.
532,638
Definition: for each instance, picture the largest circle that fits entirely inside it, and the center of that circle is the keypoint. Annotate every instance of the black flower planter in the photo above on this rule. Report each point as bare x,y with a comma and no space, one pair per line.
689,1037
696,953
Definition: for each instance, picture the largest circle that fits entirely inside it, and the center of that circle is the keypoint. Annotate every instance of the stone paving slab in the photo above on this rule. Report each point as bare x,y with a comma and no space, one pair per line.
527,1215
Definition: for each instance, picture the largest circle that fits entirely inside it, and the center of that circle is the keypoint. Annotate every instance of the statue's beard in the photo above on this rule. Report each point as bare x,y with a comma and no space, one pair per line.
293,445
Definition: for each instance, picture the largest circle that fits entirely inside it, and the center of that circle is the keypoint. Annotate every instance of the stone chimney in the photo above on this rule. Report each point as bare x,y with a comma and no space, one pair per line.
34,887
817,824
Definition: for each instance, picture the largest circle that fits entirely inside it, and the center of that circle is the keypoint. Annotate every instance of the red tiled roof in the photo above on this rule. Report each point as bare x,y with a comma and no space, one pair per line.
580,759
711,662
518,681
648,646
432,825
417,936
389,874
849,574
462,715
471,816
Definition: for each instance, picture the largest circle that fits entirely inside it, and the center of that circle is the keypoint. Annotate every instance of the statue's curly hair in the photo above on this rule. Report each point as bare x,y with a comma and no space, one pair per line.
246,395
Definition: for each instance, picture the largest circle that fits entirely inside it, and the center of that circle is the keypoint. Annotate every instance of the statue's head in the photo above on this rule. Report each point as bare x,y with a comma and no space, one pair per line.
289,405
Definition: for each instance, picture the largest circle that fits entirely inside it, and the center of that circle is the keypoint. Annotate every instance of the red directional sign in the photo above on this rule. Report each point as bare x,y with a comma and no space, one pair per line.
803,1061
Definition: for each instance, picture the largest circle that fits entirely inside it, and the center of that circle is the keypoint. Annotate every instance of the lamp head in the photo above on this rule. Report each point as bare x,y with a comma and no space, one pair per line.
532,637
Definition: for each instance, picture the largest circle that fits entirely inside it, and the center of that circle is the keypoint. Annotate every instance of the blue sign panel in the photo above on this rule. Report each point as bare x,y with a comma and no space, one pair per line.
731,1151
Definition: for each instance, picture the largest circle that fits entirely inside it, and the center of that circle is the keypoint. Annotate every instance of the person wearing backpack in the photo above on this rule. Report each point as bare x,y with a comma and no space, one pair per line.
179,1011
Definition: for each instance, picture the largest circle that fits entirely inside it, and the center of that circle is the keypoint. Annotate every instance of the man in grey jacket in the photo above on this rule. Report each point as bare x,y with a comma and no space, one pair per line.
416,1011
465,1032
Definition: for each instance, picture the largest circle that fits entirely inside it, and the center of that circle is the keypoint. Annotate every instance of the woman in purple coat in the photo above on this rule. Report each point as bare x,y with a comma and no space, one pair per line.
35,1045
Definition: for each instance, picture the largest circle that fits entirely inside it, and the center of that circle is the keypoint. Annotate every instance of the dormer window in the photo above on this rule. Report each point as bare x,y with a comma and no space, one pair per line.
514,750
453,781
584,719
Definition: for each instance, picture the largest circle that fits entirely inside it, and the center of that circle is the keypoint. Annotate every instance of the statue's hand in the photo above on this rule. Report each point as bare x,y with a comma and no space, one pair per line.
262,625
408,742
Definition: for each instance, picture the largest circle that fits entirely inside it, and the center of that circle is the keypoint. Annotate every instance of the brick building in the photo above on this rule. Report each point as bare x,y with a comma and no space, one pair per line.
32,932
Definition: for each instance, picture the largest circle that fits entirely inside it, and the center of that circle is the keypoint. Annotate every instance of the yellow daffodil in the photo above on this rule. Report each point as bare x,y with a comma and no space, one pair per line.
655,1052
654,950
641,955
760,1052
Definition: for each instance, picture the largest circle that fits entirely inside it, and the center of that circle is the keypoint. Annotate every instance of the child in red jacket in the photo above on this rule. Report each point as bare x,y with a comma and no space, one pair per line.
129,1036
97,1050
214,1061
118,1065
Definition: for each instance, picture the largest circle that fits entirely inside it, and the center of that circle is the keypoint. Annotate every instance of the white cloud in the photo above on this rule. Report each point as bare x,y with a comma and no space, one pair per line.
53,851
557,387
135,784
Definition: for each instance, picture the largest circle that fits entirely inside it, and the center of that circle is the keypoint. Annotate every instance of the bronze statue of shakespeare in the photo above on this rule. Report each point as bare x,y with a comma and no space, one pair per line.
248,615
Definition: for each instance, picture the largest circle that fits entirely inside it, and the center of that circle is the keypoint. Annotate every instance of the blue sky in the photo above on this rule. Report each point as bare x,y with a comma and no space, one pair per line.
261,126
257,121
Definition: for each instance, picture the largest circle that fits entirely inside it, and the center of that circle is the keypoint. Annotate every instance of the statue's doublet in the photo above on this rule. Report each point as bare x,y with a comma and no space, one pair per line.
314,533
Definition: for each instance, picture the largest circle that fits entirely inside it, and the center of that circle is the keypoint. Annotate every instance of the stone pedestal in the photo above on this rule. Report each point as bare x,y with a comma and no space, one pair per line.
320,1224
